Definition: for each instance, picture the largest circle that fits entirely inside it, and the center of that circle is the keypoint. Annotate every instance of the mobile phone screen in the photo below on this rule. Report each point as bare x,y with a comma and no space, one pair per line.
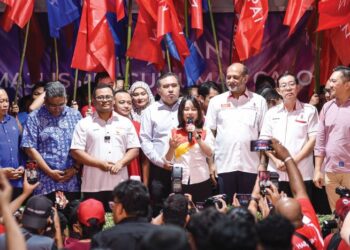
243,199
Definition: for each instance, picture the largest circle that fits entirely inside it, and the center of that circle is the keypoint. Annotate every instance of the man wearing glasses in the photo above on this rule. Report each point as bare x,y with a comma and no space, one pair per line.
105,143
294,124
47,137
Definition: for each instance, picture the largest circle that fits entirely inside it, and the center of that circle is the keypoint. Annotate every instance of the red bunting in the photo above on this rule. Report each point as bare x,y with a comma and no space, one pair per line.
295,10
144,44
94,50
333,13
340,37
18,12
250,32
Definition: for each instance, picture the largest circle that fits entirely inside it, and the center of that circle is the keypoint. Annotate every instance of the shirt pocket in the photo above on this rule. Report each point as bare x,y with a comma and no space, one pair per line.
248,116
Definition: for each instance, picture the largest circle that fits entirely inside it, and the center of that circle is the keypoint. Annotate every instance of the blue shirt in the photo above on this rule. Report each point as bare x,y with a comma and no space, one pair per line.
9,146
51,136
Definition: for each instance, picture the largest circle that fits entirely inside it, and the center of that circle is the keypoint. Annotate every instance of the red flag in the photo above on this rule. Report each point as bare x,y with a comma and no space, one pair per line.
19,12
169,22
94,49
119,9
8,2
144,44
295,10
197,17
340,37
250,32
333,13
238,5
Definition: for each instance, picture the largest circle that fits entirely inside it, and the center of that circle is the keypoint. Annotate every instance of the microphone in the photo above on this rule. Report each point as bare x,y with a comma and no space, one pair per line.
190,134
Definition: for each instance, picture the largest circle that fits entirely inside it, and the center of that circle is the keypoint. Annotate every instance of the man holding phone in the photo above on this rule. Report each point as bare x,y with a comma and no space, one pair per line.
294,124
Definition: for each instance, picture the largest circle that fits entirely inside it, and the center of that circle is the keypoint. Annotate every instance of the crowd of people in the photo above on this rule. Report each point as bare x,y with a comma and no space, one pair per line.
173,168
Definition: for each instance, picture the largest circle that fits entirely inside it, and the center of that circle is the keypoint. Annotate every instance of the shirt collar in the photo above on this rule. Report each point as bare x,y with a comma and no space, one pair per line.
244,95
64,111
114,116
6,119
162,105
298,105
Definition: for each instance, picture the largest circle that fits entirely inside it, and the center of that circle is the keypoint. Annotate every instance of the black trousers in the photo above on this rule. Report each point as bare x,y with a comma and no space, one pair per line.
199,191
103,196
236,182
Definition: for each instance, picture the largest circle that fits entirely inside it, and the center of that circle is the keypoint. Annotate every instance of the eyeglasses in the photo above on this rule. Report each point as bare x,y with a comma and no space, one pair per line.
290,84
106,98
4,100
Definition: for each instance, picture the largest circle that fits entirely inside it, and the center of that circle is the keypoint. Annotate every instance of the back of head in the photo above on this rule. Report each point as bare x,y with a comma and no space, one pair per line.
275,233
165,237
55,89
291,210
233,235
241,213
36,212
91,216
175,210
262,82
134,197
101,75
204,88
200,225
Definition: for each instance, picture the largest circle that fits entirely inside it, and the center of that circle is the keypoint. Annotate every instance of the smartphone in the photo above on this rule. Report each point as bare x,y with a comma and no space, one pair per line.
243,199
260,145
274,176
264,181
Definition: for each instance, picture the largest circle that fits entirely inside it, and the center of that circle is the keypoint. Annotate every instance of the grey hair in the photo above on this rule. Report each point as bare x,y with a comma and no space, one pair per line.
55,89
344,70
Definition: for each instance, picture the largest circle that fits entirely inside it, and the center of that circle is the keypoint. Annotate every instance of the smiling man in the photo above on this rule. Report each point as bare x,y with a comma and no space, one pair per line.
105,143
294,124
47,137
236,118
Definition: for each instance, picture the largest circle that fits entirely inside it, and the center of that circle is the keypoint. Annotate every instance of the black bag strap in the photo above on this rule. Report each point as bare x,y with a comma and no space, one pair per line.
303,237
334,242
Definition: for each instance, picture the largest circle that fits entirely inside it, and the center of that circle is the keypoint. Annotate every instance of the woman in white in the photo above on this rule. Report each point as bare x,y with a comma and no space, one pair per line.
190,152
142,97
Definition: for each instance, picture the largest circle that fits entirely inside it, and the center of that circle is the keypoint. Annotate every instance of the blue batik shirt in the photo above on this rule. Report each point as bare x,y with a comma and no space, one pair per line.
51,136
9,146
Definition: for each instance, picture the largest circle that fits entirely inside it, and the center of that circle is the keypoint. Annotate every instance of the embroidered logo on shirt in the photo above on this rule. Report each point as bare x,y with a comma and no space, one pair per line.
225,105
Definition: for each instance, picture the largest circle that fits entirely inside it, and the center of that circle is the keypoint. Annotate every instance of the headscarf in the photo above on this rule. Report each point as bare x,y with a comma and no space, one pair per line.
137,112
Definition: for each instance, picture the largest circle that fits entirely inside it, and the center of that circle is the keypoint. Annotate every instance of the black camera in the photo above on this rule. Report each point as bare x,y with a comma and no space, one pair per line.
328,226
176,180
211,201
342,191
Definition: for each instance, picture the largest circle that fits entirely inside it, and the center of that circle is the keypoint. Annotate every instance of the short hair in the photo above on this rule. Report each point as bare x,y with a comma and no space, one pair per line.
200,225
262,82
204,88
175,210
101,86
121,91
165,237
287,73
101,75
180,113
134,197
165,75
241,213
239,234
270,94
275,232
55,89
120,78
94,227
344,70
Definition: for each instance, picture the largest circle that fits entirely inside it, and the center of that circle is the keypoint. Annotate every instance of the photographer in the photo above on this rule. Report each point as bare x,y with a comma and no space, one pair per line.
334,241
38,217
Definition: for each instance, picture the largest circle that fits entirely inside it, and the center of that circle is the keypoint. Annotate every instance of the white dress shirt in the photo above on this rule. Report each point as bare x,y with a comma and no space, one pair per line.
107,141
156,123
293,129
237,122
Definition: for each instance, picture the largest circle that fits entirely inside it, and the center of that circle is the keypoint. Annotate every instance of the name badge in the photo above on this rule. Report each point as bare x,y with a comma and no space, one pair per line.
226,106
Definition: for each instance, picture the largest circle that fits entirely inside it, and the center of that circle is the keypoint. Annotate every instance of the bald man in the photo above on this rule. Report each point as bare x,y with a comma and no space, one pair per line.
236,117
298,210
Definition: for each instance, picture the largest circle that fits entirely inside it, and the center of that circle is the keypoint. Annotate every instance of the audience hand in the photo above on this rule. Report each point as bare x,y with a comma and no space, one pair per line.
235,201
273,194
5,191
223,208
28,188
11,173
264,207
280,151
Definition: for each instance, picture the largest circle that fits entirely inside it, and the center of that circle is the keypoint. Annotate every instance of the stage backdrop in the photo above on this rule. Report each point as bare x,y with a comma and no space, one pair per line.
279,54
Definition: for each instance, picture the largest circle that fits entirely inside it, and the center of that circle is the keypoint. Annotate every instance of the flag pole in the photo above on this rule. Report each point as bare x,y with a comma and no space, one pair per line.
186,18
89,91
168,56
75,84
318,55
56,58
216,45
20,71
127,64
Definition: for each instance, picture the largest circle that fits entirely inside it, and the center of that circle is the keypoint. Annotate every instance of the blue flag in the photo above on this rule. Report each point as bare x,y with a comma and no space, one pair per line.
205,6
194,65
60,13
119,34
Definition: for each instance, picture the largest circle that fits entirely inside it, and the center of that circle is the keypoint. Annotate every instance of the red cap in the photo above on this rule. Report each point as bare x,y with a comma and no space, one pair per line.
89,209
342,207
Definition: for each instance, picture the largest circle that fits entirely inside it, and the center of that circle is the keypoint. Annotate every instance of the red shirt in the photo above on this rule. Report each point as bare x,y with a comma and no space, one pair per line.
2,229
342,245
311,228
